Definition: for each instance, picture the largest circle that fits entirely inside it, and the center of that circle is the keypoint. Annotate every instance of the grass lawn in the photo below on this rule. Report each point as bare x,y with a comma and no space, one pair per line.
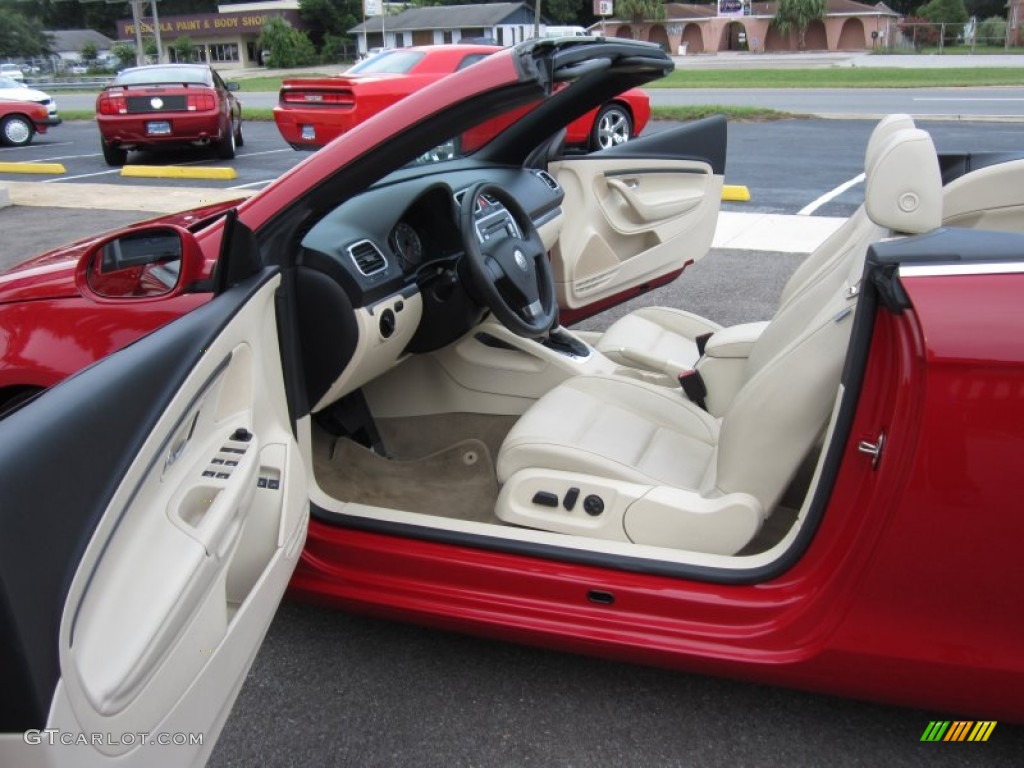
840,77
742,114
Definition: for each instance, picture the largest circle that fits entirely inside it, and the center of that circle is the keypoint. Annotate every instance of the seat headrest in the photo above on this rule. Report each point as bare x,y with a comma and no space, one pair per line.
885,129
903,188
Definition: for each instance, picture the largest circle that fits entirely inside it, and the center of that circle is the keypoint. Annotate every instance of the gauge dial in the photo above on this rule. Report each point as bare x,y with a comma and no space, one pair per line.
408,244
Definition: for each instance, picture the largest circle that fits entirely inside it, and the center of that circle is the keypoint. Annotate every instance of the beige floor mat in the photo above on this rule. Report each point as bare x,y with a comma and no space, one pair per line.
457,482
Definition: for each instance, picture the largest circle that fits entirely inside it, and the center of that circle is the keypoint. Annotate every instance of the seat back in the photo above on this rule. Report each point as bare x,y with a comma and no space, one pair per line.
832,249
792,374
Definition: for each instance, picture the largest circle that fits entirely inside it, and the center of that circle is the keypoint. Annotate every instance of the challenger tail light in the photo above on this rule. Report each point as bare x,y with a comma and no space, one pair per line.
330,98
113,104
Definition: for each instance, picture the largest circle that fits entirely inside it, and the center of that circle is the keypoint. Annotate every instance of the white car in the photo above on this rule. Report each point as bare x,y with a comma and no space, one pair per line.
12,71
14,90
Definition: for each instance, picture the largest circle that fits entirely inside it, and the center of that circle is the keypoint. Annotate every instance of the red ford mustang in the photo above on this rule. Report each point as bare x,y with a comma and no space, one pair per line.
312,111
168,105
374,402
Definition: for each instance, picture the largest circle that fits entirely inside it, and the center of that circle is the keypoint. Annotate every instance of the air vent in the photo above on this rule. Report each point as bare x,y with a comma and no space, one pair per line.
548,179
367,257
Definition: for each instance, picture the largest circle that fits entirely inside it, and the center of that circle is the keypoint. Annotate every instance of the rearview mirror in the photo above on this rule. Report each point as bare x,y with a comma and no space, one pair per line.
142,263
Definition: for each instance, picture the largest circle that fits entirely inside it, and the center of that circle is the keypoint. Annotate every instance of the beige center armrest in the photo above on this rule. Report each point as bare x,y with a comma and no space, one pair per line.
735,340
724,362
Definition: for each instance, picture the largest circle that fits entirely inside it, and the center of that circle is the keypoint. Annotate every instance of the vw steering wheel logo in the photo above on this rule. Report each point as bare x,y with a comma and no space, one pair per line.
520,259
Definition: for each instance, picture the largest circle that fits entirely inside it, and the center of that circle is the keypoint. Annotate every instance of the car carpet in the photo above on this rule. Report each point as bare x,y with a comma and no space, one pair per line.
456,482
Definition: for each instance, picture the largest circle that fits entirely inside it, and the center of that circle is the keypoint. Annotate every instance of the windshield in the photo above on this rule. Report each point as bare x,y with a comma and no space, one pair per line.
388,62
144,75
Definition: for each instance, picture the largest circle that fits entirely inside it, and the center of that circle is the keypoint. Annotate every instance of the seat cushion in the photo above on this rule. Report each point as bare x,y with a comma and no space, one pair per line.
662,333
615,428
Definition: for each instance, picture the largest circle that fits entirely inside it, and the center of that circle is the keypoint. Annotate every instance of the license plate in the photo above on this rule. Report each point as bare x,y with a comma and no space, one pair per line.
158,128
308,133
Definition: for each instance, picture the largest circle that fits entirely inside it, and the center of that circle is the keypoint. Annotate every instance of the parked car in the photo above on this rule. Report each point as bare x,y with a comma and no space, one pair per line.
374,392
15,90
20,121
12,72
313,111
168,105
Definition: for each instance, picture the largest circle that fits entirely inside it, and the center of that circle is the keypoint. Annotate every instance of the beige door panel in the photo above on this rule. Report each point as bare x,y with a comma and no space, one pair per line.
187,566
989,198
628,221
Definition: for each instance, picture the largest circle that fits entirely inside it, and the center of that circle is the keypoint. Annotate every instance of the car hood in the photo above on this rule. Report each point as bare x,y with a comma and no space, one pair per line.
51,275
23,94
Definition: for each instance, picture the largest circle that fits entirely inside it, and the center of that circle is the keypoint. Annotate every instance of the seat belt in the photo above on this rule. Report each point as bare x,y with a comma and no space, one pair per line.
694,388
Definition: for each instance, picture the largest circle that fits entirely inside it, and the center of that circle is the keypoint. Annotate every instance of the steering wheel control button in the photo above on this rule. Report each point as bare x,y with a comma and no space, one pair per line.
545,499
387,323
593,505
570,498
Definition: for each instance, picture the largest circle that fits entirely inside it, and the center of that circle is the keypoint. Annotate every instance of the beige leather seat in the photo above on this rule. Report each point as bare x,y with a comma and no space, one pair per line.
664,338
650,467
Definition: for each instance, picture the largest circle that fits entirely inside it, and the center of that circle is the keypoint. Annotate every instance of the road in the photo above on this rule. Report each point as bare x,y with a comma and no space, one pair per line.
995,101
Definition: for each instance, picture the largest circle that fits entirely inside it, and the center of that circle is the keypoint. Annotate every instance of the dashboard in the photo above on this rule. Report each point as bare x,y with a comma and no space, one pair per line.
381,276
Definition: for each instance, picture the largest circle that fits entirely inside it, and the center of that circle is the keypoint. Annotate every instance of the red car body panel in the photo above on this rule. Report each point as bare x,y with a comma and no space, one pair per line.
36,113
60,326
332,106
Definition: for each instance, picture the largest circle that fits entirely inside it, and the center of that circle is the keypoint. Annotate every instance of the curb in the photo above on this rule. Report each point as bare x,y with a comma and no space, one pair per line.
178,172
51,168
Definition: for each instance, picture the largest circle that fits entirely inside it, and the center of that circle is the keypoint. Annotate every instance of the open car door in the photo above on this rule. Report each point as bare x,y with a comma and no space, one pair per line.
636,214
154,507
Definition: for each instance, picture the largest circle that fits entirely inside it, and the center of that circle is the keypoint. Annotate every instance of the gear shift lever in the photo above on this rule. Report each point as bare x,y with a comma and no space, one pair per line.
564,343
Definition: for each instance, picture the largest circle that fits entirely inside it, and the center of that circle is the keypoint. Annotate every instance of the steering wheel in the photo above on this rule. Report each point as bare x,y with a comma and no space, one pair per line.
510,272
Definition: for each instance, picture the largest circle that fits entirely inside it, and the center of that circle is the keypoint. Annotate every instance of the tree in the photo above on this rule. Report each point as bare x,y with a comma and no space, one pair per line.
124,51
798,14
89,53
952,13
20,35
992,31
330,19
639,12
288,46
184,49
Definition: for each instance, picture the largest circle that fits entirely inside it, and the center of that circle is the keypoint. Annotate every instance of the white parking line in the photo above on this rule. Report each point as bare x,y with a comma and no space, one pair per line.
967,98
810,208
80,176
62,157
37,146
252,184
265,152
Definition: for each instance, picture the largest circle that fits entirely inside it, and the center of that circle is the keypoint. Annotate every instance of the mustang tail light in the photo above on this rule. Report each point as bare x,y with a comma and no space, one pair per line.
201,102
113,104
328,98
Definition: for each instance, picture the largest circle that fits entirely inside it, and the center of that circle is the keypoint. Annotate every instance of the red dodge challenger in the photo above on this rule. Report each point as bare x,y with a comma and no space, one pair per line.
366,394
312,111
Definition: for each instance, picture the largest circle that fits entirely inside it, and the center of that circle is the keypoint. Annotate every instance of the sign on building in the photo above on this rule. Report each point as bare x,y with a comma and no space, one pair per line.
734,7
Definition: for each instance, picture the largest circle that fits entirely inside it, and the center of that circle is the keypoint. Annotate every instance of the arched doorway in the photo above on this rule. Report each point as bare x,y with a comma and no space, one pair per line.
659,36
693,39
734,37
625,31
776,41
816,40
852,38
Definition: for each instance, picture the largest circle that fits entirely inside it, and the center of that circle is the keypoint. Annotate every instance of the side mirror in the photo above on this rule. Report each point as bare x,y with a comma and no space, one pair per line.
232,86
142,263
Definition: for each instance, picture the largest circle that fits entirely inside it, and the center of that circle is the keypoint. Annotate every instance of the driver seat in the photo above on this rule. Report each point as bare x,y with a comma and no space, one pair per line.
665,338
617,458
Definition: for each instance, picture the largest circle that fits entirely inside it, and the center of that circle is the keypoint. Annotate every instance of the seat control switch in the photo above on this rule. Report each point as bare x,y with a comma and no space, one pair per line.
570,498
593,505
545,499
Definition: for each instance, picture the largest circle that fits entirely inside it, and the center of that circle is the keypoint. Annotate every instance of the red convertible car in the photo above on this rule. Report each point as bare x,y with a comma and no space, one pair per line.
168,105
312,111
374,403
